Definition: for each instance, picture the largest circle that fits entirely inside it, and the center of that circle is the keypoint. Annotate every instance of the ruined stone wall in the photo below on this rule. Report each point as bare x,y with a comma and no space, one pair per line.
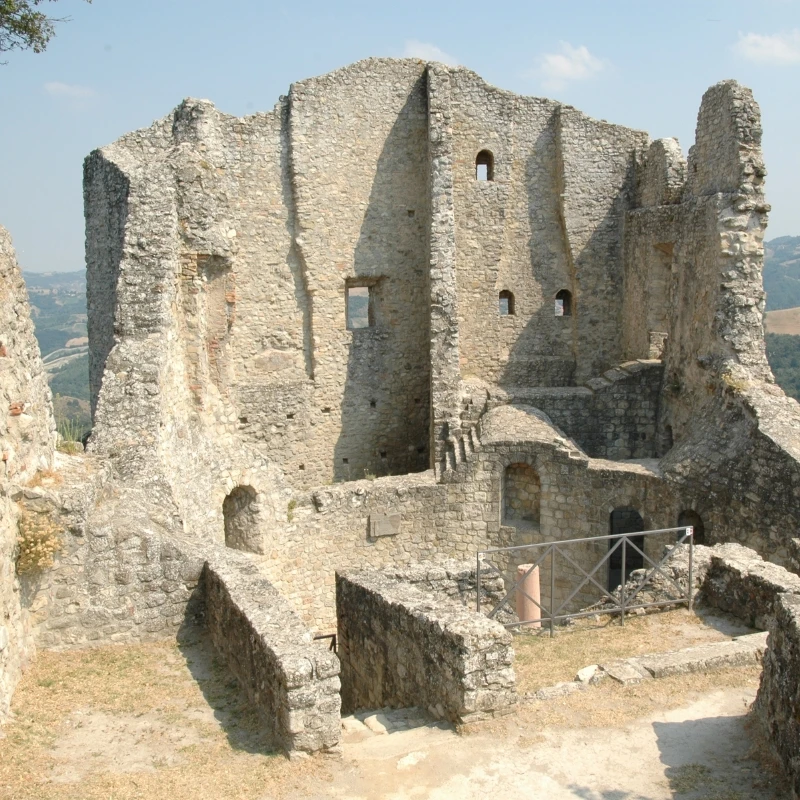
549,219
401,646
27,441
734,432
743,484
576,497
776,705
220,252
615,415
292,680
718,256
122,575
367,523
249,296
508,237
740,582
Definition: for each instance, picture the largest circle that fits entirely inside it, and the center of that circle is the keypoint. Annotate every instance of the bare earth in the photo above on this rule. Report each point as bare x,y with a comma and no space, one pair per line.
164,721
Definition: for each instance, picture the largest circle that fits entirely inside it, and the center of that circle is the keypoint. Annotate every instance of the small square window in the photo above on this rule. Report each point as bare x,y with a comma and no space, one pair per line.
360,312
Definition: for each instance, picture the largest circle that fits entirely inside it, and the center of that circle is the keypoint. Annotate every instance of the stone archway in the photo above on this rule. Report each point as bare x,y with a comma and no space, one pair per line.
521,496
240,511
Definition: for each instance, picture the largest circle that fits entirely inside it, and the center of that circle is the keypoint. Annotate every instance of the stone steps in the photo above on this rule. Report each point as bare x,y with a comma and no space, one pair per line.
742,651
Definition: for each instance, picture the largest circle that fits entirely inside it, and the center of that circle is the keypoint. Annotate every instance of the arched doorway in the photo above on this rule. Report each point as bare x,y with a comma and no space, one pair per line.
624,520
522,491
239,512
691,517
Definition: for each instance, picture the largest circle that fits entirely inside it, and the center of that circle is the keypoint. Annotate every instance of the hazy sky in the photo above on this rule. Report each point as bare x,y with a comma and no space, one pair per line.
120,64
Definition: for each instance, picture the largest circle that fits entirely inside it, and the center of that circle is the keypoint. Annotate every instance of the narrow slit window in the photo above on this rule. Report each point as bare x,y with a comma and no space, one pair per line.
563,304
360,313
506,303
484,166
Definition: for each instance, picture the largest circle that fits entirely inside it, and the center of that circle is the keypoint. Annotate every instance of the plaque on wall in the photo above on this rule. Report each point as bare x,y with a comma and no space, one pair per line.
383,525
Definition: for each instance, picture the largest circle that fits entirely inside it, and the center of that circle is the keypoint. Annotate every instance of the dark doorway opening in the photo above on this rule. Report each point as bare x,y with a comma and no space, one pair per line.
624,520
690,517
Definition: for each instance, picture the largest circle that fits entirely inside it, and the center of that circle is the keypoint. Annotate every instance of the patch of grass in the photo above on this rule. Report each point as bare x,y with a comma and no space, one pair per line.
153,679
46,477
689,777
611,705
541,661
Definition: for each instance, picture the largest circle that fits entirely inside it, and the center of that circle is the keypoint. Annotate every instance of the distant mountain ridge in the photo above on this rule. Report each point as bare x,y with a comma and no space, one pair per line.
55,281
782,272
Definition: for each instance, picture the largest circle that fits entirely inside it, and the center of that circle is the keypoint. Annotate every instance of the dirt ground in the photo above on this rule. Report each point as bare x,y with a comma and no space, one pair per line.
166,722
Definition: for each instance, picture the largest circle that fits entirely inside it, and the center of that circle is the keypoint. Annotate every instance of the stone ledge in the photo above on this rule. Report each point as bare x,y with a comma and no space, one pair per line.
740,652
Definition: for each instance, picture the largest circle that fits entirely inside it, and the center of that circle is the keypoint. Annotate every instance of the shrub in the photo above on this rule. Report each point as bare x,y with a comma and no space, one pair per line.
38,541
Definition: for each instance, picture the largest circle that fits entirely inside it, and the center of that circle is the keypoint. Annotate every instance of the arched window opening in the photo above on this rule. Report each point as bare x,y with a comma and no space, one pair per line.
484,166
691,517
506,303
522,492
624,520
239,512
564,304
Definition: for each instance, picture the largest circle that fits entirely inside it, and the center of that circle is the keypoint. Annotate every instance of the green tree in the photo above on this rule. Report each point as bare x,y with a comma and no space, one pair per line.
23,26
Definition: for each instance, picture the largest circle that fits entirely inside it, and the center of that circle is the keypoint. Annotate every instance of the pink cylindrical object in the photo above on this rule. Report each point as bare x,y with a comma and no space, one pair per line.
527,610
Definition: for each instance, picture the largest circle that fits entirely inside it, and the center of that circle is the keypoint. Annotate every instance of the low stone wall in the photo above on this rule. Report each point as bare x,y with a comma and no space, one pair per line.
401,646
777,705
291,679
740,582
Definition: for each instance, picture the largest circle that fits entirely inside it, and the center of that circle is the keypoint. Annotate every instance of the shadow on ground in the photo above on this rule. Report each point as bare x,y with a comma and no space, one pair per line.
713,757
227,701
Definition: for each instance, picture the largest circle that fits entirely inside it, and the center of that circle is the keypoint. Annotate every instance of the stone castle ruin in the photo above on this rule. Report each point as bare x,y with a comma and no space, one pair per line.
400,318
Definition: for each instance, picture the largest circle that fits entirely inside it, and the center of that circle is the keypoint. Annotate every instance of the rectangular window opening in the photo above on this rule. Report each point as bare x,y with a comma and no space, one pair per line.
360,311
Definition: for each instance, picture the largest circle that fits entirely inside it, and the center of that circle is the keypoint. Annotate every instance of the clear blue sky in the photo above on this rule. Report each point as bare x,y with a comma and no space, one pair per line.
120,64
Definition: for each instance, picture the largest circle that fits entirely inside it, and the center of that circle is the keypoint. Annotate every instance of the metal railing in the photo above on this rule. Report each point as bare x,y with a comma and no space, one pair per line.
623,598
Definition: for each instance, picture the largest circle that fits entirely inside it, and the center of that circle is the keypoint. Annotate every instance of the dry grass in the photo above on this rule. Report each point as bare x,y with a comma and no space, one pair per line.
542,661
227,759
46,478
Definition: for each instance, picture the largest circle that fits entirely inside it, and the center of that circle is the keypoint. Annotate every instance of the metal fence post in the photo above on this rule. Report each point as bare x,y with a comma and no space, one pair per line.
478,584
552,591
690,588
624,545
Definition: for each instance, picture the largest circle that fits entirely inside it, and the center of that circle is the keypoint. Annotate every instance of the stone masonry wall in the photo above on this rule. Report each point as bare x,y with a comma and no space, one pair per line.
766,596
291,679
123,573
615,415
401,647
27,441
777,705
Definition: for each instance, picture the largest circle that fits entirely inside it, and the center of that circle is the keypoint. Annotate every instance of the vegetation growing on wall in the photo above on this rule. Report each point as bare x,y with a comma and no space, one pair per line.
38,541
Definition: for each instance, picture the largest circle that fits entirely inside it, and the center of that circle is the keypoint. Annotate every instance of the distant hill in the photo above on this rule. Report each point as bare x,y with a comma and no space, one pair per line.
58,308
782,272
783,321
56,281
